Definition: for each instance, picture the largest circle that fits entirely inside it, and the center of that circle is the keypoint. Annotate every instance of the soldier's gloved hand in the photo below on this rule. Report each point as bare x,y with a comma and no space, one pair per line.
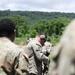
48,62
47,53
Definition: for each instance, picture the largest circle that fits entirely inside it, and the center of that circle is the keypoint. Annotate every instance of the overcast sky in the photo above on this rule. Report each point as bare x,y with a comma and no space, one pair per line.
39,5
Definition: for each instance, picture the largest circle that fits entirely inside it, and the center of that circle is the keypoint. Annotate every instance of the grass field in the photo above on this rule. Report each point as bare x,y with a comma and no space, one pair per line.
20,41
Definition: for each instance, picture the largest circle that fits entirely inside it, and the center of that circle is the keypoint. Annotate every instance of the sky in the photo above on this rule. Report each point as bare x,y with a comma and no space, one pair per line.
39,5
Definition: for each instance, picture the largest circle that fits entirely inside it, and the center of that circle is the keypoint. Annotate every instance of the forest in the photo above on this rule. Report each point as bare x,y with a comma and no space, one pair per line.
29,23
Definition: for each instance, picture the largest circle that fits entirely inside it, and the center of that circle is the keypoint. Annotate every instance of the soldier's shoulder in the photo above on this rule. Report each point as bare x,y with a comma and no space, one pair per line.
13,49
56,50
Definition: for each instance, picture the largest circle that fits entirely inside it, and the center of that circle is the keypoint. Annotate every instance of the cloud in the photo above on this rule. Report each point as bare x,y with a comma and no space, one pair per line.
39,5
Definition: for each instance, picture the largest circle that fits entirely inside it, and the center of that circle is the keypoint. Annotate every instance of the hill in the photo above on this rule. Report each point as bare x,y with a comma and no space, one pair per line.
35,16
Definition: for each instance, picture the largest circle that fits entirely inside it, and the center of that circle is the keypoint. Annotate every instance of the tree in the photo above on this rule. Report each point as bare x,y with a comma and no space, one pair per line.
52,28
57,25
21,24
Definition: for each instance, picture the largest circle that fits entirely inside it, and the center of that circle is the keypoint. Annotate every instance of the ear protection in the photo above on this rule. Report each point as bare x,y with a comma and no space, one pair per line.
42,37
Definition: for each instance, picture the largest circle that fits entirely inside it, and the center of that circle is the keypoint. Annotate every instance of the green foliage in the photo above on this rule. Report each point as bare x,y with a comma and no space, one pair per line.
52,28
21,40
41,26
32,32
28,24
21,24
58,24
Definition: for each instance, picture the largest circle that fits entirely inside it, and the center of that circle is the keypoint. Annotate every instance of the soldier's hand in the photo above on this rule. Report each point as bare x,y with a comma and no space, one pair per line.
48,62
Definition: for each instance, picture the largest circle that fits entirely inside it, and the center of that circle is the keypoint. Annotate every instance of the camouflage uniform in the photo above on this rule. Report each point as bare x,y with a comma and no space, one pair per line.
36,57
46,49
12,61
64,53
28,40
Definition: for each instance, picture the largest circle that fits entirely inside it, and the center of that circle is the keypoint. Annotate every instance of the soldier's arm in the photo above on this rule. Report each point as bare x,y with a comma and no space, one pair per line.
8,65
55,58
40,56
22,65
15,64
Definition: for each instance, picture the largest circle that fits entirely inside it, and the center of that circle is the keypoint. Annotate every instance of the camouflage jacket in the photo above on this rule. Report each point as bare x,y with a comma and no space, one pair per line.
63,60
36,57
12,60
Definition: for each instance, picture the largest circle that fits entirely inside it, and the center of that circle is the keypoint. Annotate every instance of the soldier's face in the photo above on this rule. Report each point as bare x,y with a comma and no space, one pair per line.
13,35
43,41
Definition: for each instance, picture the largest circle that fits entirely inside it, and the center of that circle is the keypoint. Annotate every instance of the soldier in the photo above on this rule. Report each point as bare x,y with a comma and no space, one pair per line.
64,53
36,57
12,60
46,49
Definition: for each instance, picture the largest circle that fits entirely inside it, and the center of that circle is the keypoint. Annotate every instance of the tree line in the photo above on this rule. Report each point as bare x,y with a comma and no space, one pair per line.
29,23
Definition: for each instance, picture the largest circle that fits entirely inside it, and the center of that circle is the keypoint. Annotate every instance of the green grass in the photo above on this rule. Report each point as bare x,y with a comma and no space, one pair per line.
20,40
